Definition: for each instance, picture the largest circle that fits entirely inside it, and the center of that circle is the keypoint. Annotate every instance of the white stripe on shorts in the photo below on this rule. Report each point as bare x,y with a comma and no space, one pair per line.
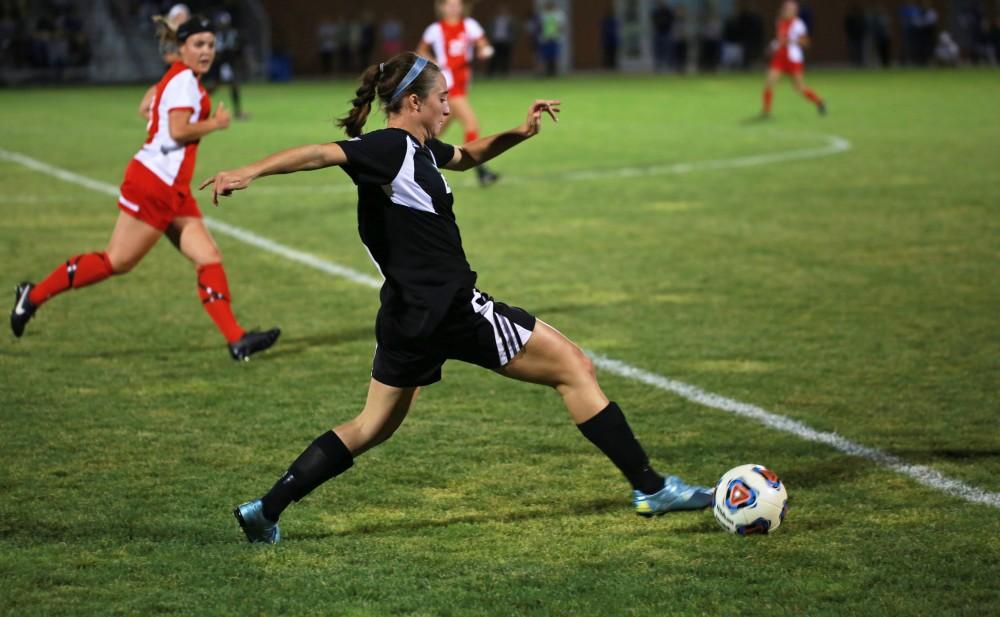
509,337
128,204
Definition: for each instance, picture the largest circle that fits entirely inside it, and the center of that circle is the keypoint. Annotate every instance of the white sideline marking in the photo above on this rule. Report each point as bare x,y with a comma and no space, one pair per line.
920,473
835,145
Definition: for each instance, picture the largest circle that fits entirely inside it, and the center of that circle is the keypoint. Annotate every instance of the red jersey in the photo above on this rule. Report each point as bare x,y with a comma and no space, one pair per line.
173,162
453,45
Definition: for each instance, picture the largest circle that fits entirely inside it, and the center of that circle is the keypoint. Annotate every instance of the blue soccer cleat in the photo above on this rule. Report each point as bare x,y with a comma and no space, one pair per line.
258,529
674,496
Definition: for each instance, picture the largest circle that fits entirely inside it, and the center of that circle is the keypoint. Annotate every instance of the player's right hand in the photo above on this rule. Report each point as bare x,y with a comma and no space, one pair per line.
225,182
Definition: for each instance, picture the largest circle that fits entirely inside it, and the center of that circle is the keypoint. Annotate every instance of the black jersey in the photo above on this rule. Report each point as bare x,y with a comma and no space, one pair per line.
405,218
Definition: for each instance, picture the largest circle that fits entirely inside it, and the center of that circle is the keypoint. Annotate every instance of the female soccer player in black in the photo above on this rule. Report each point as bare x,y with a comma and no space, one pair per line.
431,310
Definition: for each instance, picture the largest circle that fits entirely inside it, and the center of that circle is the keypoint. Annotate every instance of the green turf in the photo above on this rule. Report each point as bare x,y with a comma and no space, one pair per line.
856,293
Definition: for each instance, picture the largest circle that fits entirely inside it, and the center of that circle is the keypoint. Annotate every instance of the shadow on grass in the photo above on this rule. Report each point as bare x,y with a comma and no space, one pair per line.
595,506
824,472
948,454
285,346
290,346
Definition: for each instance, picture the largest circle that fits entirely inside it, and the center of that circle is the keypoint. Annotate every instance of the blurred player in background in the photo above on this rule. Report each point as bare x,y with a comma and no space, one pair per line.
788,59
156,198
431,310
226,68
451,42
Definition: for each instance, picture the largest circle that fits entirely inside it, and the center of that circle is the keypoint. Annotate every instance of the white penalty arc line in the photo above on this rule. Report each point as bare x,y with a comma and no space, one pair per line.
922,474
834,145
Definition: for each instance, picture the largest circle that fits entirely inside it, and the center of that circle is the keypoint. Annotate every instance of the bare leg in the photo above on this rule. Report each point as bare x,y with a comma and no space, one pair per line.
333,452
193,240
462,110
383,413
130,241
190,236
551,359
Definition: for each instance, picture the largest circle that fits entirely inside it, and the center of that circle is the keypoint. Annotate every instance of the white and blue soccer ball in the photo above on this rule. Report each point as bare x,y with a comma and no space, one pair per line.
750,499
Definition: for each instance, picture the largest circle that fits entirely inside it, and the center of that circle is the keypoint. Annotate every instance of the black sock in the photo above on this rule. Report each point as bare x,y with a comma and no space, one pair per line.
325,458
609,431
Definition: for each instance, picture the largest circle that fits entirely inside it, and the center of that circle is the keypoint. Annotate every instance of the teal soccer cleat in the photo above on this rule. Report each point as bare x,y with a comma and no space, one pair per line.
675,495
258,529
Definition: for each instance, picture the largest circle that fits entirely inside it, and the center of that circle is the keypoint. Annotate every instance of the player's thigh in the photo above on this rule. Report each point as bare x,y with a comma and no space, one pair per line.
550,359
773,75
798,80
130,241
462,109
194,241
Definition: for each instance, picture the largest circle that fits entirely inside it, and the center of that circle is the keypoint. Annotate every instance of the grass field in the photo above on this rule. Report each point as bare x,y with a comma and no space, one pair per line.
856,293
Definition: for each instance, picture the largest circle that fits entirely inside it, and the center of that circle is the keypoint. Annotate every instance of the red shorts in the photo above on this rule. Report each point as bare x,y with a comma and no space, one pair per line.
781,62
144,196
460,82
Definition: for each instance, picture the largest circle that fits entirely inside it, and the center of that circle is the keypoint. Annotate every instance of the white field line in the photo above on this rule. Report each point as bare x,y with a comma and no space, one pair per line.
920,473
834,145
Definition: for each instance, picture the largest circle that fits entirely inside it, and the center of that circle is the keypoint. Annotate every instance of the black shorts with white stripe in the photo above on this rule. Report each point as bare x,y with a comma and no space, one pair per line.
477,330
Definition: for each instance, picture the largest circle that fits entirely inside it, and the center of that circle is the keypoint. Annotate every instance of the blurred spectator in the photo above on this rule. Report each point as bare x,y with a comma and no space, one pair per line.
678,34
806,15
854,28
751,33
501,35
986,42
909,21
709,38
878,25
927,28
326,35
366,39
344,46
610,40
227,68
662,19
732,47
355,32
552,23
391,34
946,51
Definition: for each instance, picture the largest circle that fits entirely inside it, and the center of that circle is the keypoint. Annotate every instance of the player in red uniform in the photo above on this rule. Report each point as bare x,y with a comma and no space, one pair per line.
450,43
787,57
156,199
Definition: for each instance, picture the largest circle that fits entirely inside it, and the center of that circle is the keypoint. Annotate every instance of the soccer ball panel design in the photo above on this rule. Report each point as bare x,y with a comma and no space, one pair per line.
749,500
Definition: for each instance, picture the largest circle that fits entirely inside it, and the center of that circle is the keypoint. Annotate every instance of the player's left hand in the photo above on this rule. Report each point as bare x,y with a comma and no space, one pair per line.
225,182
534,123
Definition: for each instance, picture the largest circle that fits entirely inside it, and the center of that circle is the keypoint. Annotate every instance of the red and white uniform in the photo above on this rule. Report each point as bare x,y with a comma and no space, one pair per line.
157,185
788,58
453,46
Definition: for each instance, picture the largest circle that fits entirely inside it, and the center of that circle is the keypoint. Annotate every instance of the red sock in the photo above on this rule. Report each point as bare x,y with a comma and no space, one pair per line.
214,292
471,136
77,272
768,97
812,96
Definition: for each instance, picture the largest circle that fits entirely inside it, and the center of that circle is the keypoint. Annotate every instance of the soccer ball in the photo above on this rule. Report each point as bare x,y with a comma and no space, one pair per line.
750,499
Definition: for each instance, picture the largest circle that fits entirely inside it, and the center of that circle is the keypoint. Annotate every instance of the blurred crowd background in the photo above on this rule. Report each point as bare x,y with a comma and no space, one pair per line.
112,40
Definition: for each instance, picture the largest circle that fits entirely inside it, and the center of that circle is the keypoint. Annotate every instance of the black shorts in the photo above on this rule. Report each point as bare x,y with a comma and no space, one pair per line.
476,329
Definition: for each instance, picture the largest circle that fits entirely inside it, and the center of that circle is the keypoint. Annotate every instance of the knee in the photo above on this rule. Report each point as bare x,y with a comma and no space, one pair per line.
207,258
579,367
119,265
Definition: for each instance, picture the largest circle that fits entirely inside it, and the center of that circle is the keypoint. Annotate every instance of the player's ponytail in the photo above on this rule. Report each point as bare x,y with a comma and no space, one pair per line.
381,81
165,33
361,104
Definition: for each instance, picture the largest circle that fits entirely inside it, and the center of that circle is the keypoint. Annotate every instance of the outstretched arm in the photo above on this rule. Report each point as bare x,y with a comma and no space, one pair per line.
302,158
478,152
